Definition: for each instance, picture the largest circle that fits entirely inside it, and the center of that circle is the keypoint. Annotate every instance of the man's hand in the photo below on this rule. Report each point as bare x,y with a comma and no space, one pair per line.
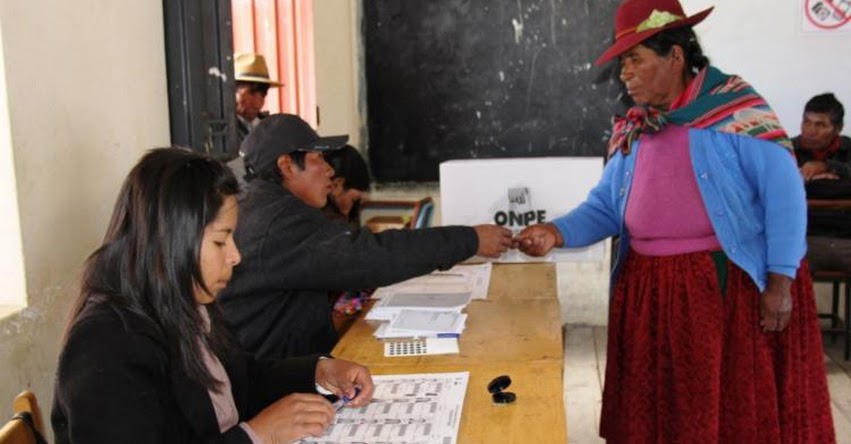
539,239
493,240
776,303
813,168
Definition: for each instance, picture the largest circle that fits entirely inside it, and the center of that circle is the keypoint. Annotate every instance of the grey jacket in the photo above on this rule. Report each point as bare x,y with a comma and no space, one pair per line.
293,255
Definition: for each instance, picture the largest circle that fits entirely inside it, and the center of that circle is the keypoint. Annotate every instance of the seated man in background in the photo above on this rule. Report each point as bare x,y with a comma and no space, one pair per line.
293,254
823,157
349,185
821,152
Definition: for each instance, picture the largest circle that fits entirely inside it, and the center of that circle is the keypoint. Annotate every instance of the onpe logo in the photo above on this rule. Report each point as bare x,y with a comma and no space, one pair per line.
520,212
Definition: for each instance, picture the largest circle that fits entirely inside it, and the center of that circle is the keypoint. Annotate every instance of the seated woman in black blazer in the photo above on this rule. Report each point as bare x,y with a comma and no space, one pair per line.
147,358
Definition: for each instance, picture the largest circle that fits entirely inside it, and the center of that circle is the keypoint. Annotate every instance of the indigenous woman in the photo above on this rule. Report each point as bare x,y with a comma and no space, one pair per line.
713,332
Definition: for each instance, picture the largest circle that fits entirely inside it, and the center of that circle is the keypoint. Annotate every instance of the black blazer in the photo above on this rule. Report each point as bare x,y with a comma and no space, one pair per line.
116,384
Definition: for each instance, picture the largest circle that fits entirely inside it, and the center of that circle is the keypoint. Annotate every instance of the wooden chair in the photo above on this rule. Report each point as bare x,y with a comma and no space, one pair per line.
414,213
17,430
839,325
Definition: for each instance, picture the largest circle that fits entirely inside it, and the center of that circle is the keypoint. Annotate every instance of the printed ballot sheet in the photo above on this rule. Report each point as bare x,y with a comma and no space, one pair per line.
410,409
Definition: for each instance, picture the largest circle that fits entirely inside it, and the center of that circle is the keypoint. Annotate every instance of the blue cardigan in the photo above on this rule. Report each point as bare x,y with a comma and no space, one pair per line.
752,191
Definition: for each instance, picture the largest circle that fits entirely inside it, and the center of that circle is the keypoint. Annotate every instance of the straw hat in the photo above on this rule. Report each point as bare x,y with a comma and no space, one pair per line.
638,20
249,67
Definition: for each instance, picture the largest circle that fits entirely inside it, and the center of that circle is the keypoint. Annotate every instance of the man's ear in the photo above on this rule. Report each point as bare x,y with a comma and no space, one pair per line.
285,166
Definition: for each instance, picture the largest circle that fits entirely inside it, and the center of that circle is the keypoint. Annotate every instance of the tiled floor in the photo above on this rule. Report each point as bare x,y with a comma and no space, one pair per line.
585,362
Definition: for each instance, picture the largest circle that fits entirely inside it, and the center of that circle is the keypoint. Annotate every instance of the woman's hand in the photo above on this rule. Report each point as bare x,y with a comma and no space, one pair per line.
776,303
341,377
539,239
293,417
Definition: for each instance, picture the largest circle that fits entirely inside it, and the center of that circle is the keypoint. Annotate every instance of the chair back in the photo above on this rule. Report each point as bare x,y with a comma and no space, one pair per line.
394,214
423,211
26,425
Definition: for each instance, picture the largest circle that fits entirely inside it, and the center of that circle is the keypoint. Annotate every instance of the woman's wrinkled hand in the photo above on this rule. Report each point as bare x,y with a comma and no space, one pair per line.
538,239
776,303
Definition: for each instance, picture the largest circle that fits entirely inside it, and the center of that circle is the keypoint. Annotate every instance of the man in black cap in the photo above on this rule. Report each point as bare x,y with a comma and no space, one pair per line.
293,254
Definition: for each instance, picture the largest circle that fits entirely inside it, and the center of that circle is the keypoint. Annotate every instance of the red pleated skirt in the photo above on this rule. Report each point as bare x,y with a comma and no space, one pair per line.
688,364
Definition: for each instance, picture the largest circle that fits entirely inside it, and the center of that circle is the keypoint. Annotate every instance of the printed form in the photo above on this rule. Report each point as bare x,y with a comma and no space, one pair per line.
406,409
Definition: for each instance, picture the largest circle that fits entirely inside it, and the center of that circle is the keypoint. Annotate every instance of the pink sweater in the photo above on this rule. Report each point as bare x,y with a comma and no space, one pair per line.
664,212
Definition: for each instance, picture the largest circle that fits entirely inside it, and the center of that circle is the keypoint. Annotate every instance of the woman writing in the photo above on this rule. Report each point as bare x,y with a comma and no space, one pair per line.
146,357
713,333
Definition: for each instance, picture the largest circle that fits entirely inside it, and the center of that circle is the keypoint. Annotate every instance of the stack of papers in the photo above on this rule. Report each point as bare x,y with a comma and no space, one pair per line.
423,324
473,279
389,306
429,306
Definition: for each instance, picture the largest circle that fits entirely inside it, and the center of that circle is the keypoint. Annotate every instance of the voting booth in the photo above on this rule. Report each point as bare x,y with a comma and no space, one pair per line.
518,192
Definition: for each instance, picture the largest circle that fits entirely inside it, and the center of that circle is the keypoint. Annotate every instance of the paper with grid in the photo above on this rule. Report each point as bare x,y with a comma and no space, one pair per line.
406,409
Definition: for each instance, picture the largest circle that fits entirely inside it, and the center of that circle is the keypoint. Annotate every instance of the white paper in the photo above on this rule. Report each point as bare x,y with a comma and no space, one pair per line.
419,408
388,307
417,321
474,279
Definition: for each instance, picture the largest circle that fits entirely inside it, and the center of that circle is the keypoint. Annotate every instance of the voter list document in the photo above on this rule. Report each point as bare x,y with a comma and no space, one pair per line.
406,409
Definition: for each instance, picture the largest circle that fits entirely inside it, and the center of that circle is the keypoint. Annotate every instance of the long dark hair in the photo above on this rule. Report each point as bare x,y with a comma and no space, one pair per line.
149,262
685,38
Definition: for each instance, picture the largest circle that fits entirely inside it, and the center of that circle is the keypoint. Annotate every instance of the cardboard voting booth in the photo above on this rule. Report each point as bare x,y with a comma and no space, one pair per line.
519,192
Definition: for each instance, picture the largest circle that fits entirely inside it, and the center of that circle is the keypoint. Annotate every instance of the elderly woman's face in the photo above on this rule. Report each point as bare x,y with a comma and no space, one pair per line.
652,79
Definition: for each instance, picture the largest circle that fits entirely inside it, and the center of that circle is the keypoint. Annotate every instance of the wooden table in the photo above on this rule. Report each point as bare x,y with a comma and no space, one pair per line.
516,332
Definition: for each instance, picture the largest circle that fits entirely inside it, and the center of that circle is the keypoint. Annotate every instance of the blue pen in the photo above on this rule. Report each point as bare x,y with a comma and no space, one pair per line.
345,400
448,335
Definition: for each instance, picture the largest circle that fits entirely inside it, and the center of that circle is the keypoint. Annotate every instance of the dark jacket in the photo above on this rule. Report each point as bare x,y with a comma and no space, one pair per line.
116,384
293,255
838,163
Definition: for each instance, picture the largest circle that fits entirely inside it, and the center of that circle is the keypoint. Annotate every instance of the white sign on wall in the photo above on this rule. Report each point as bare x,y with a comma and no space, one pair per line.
826,16
516,193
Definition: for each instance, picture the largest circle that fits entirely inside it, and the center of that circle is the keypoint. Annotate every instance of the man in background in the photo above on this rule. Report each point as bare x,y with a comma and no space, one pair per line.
821,151
823,157
252,85
293,255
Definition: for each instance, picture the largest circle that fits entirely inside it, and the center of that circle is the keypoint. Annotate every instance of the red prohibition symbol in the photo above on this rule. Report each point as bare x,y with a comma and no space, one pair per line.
827,14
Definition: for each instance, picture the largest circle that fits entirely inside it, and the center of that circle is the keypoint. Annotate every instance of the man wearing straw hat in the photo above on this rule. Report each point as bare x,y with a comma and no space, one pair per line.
252,85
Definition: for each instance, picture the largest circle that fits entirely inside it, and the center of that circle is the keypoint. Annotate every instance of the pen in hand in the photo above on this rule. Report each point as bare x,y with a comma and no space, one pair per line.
344,400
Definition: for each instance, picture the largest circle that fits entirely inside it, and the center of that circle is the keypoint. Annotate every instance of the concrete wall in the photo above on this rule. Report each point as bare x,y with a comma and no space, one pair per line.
86,86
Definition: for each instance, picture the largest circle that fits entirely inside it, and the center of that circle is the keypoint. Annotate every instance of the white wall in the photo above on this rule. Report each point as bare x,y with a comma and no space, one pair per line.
762,41
87,95
338,69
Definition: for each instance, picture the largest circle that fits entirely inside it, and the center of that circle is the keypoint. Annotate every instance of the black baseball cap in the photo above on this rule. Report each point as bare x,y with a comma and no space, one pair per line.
281,134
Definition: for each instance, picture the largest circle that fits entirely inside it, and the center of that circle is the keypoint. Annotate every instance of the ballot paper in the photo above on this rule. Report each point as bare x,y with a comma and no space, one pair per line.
388,307
417,408
474,279
422,324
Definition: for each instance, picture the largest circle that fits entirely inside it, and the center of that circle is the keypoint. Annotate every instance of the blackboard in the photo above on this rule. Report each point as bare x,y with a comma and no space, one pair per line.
460,79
